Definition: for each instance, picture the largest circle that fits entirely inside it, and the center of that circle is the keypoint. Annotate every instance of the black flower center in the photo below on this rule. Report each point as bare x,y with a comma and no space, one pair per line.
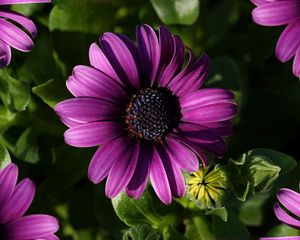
152,114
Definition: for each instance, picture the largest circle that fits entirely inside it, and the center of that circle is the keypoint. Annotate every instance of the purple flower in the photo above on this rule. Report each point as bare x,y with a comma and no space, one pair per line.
15,199
290,200
12,35
147,111
277,13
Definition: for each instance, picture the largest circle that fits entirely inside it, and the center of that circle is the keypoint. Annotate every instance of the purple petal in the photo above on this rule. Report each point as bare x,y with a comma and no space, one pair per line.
21,20
30,227
121,58
6,2
88,109
204,97
8,180
290,200
149,51
277,13
19,202
281,238
193,146
193,78
140,177
50,237
285,218
175,64
289,42
296,64
207,139
166,42
5,54
69,122
159,179
211,113
259,2
122,169
182,155
103,160
15,37
221,128
175,177
92,134
98,60
90,82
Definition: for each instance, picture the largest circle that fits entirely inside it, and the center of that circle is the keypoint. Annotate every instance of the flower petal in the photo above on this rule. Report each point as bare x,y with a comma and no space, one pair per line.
182,155
21,20
290,200
140,177
103,160
204,97
30,227
277,13
285,218
296,64
6,2
98,60
193,78
149,51
289,42
15,37
88,109
90,82
92,134
211,113
159,179
121,58
123,169
175,64
19,202
8,180
175,177
204,137
5,54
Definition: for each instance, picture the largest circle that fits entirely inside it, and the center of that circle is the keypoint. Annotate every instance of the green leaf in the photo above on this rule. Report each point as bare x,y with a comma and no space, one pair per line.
141,232
14,93
52,92
198,228
71,15
26,147
251,211
169,233
183,12
133,212
283,231
220,212
284,161
233,229
4,157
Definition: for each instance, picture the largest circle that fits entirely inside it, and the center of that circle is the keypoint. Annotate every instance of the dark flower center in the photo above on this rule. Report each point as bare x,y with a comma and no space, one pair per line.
152,114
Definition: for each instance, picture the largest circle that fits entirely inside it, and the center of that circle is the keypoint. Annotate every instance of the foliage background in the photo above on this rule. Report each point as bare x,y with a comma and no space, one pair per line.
243,61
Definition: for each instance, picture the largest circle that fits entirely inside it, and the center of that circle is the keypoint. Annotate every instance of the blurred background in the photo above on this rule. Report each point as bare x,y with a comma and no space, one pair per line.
243,61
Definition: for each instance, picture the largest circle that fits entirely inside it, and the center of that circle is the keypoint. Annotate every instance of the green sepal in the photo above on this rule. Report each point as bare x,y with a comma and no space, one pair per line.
142,232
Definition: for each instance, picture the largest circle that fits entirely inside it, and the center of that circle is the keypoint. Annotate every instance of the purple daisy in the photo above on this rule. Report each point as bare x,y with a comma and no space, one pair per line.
147,111
290,200
12,35
277,13
15,199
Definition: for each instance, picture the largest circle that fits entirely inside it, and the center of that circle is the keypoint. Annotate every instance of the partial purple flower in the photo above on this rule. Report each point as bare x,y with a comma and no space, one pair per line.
147,111
16,30
277,13
287,211
15,199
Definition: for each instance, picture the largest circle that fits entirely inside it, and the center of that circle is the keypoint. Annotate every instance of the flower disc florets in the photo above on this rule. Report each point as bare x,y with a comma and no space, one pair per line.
152,113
